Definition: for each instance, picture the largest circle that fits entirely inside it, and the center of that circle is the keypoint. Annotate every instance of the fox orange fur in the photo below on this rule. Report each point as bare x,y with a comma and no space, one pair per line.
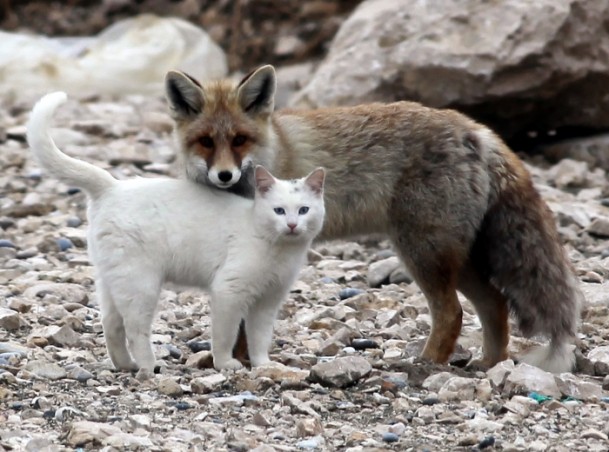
458,205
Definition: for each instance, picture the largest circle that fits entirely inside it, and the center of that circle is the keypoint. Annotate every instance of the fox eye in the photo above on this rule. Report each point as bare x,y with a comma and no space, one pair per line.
279,210
239,140
206,142
303,210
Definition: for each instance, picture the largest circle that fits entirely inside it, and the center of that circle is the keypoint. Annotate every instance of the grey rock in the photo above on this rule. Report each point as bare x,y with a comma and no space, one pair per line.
431,52
525,378
573,386
70,293
46,370
207,384
380,271
170,387
9,319
340,372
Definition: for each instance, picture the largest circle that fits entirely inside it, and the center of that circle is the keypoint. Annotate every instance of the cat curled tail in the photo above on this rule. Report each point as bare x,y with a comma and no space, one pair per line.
145,232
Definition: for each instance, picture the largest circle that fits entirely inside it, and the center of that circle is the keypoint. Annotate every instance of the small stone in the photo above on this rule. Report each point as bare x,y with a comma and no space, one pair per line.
390,437
4,243
259,420
594,434
79,374
398,428
499,372
183,406
201,360
468,440
340,372
349,292
71,293
526,378
170,387
207,384
199,346
63,336
46,370
489,441
599,227
379,272
74,222
174,351
9,319
280,373
308,427
11,347
431,401
236,400
363,344
311,443
84,432
573,386
64,244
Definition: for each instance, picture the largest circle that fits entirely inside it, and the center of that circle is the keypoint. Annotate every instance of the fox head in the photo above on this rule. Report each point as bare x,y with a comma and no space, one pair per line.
222,127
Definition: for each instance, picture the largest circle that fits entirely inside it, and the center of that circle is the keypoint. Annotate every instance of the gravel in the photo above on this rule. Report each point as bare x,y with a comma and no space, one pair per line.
345,373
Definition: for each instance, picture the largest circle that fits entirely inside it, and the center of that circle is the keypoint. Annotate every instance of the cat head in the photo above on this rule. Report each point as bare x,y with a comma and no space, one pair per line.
290,209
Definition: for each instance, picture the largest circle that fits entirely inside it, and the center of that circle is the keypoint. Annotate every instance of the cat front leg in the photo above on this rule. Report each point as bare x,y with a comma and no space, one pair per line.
259,326
226,313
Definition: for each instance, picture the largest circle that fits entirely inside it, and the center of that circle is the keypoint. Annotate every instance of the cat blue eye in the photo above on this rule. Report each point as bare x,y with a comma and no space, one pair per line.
303,210
279,210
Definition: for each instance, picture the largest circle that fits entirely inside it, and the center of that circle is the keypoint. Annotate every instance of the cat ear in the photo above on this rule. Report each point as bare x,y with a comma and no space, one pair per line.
184,93
315,180
264,179
256,92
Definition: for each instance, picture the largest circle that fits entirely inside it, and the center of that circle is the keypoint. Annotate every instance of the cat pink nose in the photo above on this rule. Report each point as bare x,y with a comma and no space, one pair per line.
292,226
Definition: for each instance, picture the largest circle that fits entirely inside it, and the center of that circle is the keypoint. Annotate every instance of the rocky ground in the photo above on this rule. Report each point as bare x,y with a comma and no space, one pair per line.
346,375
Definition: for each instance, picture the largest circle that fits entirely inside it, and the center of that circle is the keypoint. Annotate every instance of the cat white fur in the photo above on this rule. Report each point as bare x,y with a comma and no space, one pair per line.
144,232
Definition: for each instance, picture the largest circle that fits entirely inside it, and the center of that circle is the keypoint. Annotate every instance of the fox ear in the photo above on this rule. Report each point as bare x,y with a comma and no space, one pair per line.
315,180
184,94
264,179
256,92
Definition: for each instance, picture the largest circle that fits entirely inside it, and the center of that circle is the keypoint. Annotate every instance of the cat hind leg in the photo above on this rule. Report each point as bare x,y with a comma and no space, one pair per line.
114,330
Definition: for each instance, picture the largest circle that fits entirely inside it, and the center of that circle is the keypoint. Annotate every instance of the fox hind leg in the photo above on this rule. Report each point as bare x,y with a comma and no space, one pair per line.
437,279
492,309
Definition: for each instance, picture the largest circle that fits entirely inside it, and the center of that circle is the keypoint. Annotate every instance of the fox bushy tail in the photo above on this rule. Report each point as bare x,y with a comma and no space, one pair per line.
77,173
519,247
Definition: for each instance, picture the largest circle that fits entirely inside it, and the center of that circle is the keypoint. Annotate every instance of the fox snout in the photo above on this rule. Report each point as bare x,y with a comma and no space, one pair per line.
224,177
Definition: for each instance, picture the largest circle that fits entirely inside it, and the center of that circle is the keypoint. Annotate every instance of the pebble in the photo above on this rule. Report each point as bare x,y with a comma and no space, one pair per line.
64,244
390,437
199,346
170,387
349,292
4,243
363,344
210,383
9,319
489,441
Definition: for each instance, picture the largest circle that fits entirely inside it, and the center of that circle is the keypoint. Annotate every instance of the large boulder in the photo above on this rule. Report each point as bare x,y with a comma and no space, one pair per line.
516,65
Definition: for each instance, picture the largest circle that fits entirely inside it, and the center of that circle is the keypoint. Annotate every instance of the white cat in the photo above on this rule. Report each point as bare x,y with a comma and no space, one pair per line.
144,232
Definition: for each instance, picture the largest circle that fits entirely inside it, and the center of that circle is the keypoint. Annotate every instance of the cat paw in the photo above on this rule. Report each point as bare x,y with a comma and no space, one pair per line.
229,364
260,361
144,374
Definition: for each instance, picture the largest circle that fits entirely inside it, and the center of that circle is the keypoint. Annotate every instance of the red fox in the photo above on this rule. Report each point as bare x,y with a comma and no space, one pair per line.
458,205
